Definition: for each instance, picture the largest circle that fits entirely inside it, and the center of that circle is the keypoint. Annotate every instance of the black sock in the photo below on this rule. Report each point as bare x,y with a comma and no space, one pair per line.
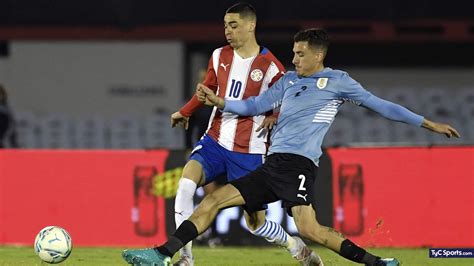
186,232
352,252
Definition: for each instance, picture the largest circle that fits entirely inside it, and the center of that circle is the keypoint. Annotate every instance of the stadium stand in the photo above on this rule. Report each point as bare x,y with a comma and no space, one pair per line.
354,125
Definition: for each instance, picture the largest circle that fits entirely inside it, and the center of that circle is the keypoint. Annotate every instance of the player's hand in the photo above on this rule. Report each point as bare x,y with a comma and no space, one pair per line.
179,119
441,128
208,97
267,123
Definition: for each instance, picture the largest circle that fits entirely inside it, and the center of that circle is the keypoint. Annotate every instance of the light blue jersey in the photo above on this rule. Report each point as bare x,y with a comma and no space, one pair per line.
308,106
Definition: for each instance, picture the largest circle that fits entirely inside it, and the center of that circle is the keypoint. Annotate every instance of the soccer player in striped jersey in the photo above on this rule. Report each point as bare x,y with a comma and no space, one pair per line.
309,99
234,145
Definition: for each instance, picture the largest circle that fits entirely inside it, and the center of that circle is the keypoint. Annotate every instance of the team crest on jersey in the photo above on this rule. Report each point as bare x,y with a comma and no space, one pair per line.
256,75
322,83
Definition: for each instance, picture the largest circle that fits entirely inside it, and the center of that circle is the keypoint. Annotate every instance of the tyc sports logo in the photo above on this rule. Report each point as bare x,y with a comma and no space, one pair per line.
451,252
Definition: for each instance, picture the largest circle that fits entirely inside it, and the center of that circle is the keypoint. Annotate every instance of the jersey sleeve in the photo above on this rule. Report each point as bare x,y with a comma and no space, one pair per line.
210,81
279,74
393,111
350,90
268,100
280,71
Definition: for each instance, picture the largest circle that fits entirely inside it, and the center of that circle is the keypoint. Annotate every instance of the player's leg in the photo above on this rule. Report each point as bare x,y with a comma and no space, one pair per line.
271,231
191,179
203,164
274,233
308,227
293,177
211,237
226,196
238,165
211,187
247,190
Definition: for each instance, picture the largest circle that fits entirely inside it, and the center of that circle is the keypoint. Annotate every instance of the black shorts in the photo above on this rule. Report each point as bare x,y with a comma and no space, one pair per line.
283,176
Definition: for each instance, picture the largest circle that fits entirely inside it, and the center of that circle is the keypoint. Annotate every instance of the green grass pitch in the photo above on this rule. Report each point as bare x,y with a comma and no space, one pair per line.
25,256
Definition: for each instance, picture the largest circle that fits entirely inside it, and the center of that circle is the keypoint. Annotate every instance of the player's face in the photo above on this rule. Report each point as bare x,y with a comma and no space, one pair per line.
237,30
307,60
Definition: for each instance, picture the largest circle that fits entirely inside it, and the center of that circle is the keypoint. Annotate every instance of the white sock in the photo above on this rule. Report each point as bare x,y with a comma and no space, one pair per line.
274,233
184,207
291,242
291,246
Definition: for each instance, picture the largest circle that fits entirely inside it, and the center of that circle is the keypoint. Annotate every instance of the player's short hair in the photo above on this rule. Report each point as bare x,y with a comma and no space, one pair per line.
245,10
316,38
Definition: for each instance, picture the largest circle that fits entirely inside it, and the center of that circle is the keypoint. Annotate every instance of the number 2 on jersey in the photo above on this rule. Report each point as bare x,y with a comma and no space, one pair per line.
235,88
303,179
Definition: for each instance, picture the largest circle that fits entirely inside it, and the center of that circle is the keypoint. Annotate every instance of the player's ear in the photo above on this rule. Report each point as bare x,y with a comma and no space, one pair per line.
252,25
319,56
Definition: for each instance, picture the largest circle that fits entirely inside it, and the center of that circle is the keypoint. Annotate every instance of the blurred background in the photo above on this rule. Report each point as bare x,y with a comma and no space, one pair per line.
106,75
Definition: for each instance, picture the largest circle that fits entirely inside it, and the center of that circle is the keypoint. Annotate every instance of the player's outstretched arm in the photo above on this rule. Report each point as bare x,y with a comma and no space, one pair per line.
440,128
179,119
399,113
248,107
208,97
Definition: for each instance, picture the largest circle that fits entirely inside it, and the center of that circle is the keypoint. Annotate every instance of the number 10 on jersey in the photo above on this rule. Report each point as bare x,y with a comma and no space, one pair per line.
235,88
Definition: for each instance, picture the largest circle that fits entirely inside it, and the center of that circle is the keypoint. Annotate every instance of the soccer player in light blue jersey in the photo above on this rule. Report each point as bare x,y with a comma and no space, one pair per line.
309,99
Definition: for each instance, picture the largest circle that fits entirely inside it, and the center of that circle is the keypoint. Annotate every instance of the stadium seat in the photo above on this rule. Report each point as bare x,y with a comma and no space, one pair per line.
465,105
352,111
407,97
124,132
27,130
404,134
90,132
341,132
159,134
56,131
374,130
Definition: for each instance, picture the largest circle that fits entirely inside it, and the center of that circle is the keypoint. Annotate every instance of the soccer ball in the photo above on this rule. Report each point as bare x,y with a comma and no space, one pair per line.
53,244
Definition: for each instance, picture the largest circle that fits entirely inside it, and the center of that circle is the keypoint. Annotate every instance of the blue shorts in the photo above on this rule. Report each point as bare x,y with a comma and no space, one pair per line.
217,160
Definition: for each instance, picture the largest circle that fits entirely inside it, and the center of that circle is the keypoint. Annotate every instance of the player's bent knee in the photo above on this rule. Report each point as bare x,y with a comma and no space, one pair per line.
252,224
255,220
252,227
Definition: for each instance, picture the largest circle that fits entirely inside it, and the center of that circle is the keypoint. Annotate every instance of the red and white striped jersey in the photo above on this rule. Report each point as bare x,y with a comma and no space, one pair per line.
237,78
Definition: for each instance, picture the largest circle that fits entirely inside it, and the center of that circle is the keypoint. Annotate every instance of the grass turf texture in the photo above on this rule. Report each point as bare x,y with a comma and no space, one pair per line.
25,256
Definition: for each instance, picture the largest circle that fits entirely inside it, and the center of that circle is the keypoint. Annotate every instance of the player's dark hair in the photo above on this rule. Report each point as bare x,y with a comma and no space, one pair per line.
316,38
245,10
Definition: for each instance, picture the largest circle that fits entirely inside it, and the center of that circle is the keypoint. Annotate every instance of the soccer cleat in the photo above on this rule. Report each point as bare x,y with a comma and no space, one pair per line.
387,262
148,257
305,256
184,261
